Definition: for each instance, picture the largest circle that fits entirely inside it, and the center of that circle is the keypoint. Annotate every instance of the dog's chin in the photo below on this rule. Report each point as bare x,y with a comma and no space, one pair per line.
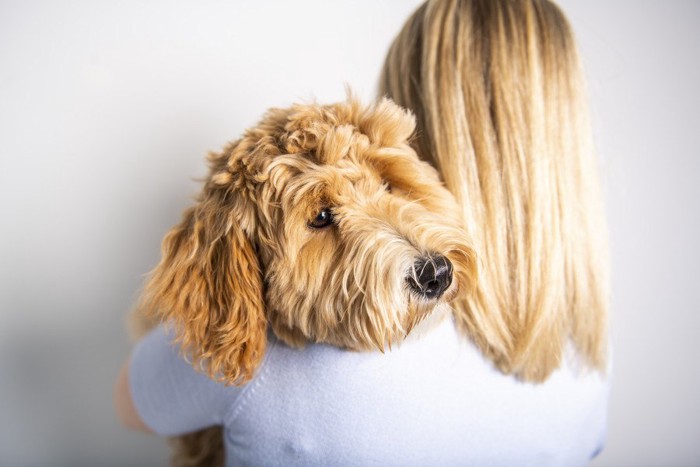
424,313
426,317
413,317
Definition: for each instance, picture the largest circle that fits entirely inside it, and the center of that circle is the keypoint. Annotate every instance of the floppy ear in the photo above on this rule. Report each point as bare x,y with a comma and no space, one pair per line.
208,285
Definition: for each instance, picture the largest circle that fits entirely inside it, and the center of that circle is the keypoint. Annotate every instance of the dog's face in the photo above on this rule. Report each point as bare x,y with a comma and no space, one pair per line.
322,223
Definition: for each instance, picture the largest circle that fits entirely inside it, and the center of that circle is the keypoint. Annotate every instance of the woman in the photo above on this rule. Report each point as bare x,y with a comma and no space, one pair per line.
496,90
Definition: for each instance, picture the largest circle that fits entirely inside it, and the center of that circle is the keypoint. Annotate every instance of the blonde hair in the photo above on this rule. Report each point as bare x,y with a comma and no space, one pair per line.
497,91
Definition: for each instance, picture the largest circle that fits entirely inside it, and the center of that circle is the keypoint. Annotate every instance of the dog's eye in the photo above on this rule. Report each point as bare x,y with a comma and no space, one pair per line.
323,219
387,187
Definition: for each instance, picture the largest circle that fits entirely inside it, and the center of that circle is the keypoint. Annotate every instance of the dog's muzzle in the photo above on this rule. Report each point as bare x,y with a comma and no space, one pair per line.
431,276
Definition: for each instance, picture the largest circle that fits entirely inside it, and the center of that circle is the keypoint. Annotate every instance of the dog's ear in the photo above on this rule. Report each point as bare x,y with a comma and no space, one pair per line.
209,285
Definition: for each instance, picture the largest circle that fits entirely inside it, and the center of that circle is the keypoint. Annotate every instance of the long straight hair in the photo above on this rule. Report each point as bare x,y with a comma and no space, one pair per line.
497,90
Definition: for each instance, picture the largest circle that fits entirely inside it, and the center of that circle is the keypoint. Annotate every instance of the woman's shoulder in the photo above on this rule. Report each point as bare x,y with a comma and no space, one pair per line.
437,351
433,394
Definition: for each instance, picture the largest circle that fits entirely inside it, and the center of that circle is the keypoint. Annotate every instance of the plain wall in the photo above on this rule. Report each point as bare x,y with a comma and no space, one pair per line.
107,110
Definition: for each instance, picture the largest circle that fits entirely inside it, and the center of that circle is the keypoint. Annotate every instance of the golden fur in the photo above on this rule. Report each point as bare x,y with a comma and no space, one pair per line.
497,91
245,258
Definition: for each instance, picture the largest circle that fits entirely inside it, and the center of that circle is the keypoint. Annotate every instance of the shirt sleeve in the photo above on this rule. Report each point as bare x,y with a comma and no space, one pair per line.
171,397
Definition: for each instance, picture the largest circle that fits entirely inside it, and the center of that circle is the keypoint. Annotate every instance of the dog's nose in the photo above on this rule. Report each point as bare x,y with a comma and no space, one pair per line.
431,276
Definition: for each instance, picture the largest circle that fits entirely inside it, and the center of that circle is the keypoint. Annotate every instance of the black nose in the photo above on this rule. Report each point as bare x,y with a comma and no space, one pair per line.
431,276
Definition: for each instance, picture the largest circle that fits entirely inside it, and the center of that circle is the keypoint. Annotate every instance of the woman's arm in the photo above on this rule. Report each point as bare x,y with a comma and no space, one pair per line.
124,405
158,390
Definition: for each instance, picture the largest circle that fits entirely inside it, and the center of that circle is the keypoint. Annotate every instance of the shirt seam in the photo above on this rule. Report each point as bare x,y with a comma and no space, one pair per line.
249,390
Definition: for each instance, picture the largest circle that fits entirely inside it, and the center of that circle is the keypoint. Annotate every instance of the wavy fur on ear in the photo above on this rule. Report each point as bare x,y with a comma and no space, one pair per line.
208,285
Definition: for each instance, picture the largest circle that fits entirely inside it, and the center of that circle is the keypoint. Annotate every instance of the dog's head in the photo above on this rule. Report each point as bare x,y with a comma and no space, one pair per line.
322,223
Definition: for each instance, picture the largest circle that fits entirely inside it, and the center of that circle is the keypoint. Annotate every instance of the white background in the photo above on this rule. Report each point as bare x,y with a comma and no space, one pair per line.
108,108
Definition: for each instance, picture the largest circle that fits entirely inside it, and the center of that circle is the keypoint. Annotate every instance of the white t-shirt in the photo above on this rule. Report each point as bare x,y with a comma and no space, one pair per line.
431,401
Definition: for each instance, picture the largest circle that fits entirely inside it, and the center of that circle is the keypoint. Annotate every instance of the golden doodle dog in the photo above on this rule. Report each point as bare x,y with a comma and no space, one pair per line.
320,223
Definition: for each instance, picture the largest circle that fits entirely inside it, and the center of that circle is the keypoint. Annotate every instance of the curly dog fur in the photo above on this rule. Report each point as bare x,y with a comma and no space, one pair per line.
320,224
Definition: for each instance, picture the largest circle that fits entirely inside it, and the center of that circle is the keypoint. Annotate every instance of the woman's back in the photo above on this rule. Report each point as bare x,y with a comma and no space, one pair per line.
439,403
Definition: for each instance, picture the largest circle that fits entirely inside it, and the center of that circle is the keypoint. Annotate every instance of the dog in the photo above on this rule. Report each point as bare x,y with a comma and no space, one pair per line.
320,224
